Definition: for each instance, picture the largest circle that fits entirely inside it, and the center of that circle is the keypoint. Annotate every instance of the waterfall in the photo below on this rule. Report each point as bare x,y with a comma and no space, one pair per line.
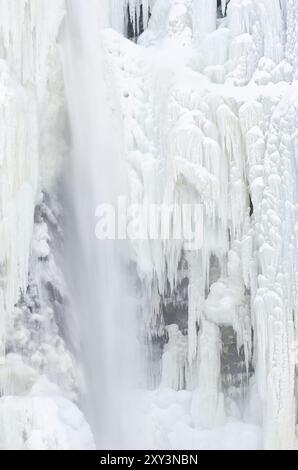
97,268
177,118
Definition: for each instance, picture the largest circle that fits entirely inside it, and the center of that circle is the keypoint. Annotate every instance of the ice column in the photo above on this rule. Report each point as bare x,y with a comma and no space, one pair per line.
204,18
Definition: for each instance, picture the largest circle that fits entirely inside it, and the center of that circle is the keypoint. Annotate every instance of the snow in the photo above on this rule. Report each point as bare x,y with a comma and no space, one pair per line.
43,420
218,99
168,424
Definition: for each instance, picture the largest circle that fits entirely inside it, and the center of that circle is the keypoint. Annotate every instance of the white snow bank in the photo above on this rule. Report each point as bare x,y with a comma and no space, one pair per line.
166,420
42,420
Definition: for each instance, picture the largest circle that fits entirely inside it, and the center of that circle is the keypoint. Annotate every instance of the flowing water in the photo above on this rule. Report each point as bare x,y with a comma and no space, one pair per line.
103,318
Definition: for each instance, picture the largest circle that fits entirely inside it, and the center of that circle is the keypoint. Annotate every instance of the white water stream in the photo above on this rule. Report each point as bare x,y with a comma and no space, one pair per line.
97,268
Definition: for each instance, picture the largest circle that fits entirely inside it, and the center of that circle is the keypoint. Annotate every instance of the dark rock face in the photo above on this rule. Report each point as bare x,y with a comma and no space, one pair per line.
234,371
232,359
39,311
176,314
251,207
135,28
220,13
175,304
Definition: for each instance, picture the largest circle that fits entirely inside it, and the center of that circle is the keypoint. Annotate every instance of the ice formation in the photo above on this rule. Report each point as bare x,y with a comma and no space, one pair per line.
31,289
209,117
204,98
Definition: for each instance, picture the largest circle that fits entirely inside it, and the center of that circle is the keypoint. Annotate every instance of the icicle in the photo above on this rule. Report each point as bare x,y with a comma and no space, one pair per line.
207,407
146,5
204,18
291,10
224,6
118,14
174,360
28,33
135,13
231,148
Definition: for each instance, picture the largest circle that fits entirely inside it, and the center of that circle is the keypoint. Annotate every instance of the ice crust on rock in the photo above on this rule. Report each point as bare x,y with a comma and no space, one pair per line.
34,413
209,109
28,34
43,420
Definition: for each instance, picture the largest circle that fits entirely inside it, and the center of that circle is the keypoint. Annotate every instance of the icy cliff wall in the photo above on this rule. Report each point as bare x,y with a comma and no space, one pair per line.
32,147
28,33
209,108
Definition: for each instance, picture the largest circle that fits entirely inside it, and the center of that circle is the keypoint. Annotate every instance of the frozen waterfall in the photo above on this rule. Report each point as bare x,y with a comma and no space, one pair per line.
148,224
